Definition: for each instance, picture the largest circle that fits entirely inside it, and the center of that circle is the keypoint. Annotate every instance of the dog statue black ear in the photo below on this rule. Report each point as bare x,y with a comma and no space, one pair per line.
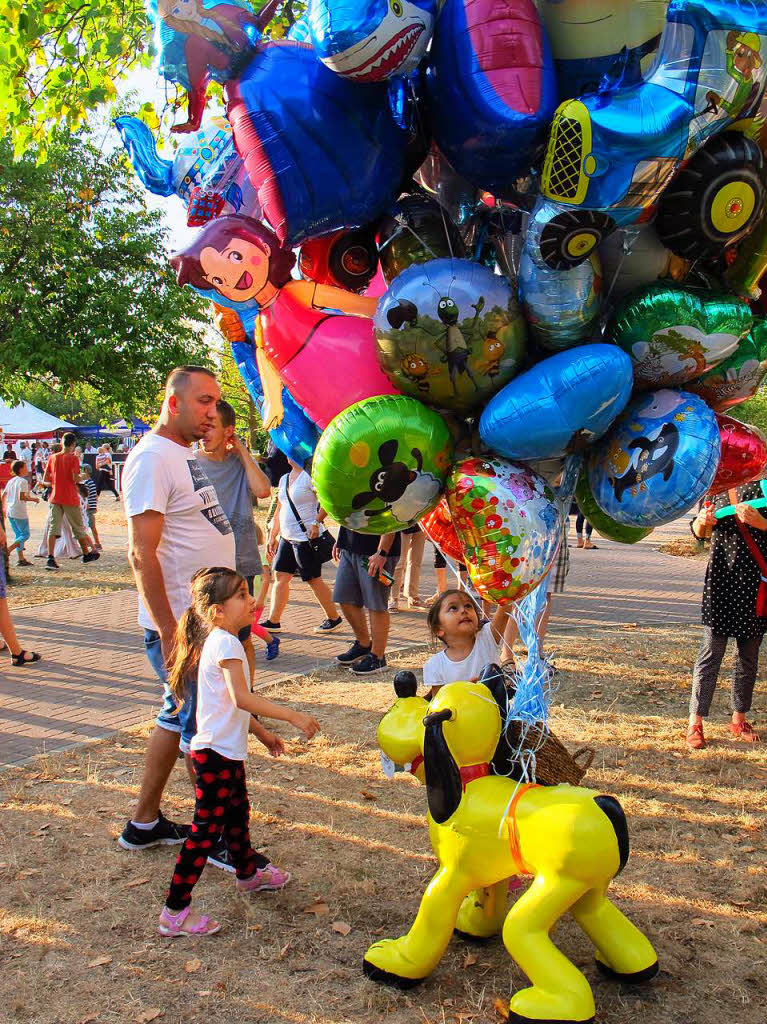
492,677
405,684
504,760
443,780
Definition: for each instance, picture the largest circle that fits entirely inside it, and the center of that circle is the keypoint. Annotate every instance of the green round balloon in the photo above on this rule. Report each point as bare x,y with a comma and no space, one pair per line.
381,464
674,335
603,524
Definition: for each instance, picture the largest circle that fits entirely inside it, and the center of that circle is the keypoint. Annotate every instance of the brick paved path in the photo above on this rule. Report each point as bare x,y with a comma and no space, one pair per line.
94,678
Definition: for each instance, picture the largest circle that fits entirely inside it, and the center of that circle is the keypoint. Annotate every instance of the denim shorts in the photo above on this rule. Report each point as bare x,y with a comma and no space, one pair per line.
183,721
20,529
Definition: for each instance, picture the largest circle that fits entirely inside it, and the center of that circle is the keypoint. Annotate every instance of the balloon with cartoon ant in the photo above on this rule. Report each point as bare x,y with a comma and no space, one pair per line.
450,333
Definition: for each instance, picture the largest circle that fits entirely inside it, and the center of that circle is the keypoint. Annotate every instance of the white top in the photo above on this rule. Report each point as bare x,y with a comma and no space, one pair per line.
440,669
14,506
221,725
304,498
26,455
163,476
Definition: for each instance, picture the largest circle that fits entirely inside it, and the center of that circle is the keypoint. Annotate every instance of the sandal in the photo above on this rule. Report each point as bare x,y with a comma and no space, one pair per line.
266,879
25,658
172,925
744,731
23,561
695,738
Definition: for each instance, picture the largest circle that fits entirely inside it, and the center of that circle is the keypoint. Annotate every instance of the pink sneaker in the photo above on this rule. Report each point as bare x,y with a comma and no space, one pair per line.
268,879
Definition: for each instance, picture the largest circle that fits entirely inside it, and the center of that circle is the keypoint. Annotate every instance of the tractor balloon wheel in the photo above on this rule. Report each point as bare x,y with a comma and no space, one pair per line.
715,200
571,237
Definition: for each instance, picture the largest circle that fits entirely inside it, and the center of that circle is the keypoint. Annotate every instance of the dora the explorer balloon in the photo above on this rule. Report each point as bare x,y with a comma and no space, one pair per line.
201,39
318,339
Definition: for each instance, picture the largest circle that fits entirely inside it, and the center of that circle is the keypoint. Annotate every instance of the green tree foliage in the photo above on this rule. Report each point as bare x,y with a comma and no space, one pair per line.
234,391
754,411
86,293
60,59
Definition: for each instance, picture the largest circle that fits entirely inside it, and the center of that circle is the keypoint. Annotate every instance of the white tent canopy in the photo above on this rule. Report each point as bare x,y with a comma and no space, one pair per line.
27,421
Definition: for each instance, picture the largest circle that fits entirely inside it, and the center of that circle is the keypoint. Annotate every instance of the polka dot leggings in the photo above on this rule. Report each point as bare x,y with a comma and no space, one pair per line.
221,807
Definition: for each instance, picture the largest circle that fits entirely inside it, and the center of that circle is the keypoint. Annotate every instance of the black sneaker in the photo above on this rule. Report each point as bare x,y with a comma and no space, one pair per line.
51,563
368,665
165,833
92,556
328,625
272,627
355,653
219,856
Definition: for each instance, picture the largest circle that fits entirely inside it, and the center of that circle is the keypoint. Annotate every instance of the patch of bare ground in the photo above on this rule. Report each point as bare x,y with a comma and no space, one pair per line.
77,939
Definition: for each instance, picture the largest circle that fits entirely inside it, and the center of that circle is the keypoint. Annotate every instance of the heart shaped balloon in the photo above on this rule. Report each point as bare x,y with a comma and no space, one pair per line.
438,527
674,335
743,457
508,525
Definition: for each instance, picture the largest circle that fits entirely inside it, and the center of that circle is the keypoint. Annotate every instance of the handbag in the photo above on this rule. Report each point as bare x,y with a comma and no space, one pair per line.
761,594
322,545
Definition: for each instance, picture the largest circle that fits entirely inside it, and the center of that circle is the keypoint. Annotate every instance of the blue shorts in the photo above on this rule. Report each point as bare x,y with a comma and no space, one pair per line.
20,529
2,575
183,720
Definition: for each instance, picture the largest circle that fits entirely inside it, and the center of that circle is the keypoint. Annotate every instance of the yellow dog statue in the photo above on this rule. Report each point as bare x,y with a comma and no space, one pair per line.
486,827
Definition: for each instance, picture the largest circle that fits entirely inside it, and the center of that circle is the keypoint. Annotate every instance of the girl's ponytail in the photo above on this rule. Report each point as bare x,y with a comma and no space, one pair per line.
191,632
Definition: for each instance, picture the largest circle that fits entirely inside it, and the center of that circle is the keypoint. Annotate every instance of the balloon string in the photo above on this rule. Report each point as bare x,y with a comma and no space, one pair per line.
624,254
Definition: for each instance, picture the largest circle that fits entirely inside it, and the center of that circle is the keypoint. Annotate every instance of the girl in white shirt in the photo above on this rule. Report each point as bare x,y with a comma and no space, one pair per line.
455,620
207,632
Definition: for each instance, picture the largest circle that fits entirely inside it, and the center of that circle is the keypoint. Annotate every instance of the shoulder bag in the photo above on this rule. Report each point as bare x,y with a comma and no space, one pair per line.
322,545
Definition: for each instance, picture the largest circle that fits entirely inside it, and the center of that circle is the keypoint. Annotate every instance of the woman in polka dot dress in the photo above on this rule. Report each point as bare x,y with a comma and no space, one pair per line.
729,609
207,632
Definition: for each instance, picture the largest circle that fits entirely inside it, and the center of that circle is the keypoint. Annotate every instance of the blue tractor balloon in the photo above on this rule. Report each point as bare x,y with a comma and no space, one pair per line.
612,156
559,405
371,40
657,460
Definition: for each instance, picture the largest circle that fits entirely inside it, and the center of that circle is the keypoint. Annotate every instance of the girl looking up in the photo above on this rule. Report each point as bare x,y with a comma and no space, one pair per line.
454,619
221,607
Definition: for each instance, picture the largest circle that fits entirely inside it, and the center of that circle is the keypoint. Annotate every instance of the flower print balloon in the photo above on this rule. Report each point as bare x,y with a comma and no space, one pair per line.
508,524
317,339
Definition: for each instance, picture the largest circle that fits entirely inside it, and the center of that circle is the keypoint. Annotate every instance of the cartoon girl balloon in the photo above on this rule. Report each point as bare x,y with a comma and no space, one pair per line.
317,339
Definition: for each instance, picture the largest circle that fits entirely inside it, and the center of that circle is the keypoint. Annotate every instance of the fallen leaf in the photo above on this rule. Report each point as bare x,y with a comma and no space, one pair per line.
368,795
284,950
748,849
148,1015
89,1019
319,909
220,986
702,921
205,992
341,927
135,882
469,960
192,965
100,961
501,1007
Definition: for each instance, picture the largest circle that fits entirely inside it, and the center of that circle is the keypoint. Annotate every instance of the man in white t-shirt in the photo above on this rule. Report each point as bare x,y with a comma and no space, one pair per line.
175,527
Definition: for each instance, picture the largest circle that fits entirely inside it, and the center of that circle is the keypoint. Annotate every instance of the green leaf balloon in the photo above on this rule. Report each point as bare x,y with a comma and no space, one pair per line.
737,378
602,523
674,335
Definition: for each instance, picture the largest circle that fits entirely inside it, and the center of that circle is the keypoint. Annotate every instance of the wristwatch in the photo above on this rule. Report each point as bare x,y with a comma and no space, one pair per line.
383,554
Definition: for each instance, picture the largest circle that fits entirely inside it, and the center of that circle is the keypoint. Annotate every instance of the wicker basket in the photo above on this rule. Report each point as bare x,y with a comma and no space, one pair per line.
553,761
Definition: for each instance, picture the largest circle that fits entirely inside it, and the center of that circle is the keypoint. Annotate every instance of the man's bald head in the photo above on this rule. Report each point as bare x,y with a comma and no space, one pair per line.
189,409
180,377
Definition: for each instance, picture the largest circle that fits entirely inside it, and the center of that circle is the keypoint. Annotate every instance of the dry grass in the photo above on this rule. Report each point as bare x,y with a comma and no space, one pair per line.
684,547
77,940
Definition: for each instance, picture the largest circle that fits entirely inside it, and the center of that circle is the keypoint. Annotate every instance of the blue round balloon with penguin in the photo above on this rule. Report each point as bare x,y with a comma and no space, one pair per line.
657,460
559,405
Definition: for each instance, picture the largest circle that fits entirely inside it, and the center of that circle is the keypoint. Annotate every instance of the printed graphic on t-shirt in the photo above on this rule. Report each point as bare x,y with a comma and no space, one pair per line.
211,507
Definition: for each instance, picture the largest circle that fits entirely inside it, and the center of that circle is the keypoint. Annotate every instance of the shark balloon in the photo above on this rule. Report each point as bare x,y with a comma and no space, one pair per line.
373,40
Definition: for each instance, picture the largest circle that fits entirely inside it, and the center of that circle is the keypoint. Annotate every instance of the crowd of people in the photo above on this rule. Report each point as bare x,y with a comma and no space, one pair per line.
195,549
